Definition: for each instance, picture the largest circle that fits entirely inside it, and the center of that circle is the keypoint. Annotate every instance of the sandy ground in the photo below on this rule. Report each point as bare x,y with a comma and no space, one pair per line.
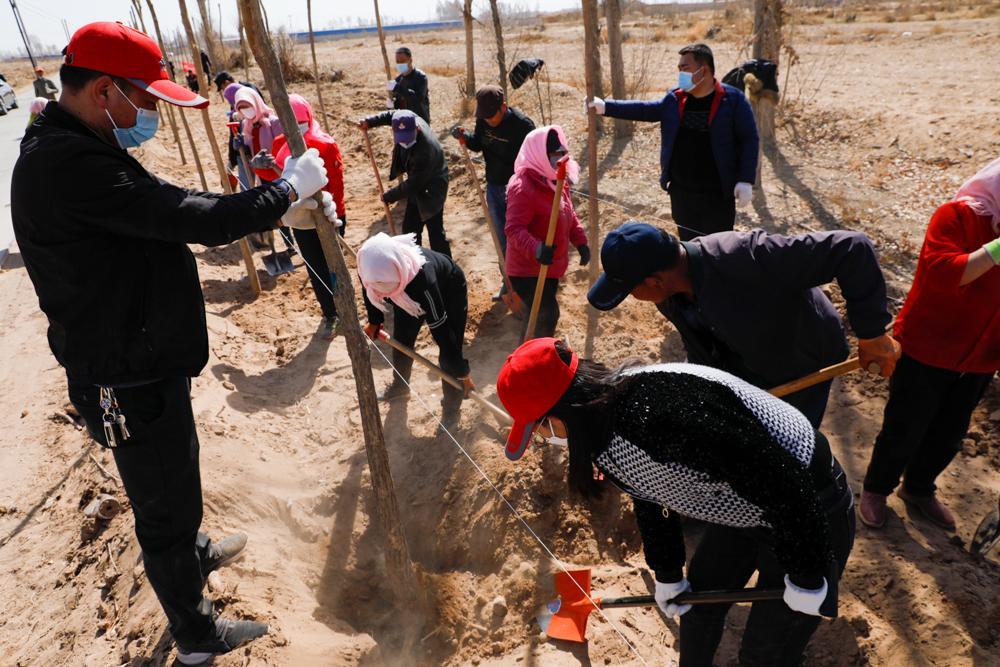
875,143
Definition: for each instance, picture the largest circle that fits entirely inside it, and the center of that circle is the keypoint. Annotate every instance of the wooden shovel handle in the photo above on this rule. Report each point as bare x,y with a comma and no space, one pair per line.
550,236
821,375
378,179
699,597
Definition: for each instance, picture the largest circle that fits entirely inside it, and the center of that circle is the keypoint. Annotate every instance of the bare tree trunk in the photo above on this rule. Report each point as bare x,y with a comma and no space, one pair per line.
209,31
613,14
470,61
592,44
400,568
768,16
312,46
243,44
170,110
381,41
592,72
138,12
251,270
501,56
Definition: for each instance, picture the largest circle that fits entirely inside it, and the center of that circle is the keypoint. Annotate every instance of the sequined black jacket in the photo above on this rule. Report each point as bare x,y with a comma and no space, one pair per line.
698,441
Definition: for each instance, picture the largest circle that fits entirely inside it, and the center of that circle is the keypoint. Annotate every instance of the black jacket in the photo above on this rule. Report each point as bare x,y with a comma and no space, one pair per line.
424,165
500,144
411,93
441,291
758,312
104,243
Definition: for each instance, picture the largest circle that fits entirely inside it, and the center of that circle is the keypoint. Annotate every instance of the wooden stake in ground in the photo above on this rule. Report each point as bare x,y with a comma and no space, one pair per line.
378,179
397,554
767,46
470,60
592,66
613,14
214,54
381,41
501,56
312,47
219,164
243,44
592,45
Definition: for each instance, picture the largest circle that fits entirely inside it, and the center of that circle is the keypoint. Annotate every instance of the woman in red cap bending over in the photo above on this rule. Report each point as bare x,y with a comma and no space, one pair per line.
690,440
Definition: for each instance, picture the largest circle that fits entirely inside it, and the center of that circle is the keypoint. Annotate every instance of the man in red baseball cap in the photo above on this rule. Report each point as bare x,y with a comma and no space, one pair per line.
105,245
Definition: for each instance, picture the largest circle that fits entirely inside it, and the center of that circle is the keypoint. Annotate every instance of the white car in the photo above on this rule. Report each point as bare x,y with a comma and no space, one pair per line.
8,100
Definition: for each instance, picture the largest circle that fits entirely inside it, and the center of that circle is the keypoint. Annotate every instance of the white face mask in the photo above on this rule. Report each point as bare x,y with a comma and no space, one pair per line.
402,68
304,127
248,112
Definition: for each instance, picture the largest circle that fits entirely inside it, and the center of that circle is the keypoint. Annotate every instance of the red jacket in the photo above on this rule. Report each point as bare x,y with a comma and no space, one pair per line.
943,324
529,205
330,152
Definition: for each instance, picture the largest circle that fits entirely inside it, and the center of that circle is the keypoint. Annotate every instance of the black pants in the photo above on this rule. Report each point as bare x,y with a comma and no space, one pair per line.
548,309
925,419
701,212
726,557
312,253
405,330
412,224
158,466
811,402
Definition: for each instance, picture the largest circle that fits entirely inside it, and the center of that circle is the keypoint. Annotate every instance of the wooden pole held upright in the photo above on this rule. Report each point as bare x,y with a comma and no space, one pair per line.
219,164
312,47
381,41
592,76
378,179
397,554
550,235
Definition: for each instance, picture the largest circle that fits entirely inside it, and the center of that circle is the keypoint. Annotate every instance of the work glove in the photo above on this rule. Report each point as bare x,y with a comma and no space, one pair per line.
459,134
305,173
584,251
804,600
883,351
467,385
545,253
667,592
299,214
596,103
743,193
263,160
390,85
372,330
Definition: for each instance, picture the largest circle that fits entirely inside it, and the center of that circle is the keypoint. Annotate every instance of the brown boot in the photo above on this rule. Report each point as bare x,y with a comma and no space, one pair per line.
871,510
932,508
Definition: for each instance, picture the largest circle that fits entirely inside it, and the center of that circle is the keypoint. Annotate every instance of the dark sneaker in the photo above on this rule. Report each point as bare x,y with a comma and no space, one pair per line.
393,391
450,417
872,510
229,636
331,327
224,552
932,508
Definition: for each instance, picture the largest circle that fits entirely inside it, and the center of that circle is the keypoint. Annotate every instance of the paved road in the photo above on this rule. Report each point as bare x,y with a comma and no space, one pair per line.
11,130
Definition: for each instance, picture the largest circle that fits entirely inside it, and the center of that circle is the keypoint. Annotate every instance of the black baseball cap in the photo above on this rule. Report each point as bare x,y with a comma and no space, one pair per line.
489,99
222,79
629,255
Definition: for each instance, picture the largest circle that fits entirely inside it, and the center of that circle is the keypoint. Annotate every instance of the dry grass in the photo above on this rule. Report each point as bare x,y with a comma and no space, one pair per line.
445,70
293,67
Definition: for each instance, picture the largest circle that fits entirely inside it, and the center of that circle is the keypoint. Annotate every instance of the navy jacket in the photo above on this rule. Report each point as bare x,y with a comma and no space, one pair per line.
732,131
758,312
425,167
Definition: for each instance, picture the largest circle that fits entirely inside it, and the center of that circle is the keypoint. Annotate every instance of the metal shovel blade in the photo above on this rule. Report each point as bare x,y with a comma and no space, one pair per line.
278,262
988,533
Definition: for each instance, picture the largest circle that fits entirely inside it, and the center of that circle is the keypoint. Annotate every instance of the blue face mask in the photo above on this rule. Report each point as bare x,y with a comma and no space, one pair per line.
402,68
685,80
146,122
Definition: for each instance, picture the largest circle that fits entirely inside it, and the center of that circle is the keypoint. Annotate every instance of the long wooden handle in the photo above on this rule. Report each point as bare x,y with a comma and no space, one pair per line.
378,178
550,235
437,370
486,212
699,597
821,375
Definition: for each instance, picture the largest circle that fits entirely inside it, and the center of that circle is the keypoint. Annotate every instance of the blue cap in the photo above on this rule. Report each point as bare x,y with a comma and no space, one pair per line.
629,255
404,126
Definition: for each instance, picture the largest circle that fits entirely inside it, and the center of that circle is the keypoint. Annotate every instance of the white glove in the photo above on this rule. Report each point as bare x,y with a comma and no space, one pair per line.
743,192
667,592
597,104
306,173
390,85
804,600
300,216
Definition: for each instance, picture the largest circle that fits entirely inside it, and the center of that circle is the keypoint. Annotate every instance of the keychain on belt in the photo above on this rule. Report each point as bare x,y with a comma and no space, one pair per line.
112,417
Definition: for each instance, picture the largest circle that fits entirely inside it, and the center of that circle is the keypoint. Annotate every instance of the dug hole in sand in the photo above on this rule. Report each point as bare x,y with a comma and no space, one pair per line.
282,450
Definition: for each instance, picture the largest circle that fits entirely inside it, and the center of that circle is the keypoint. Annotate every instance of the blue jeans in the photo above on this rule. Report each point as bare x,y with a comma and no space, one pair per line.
496,201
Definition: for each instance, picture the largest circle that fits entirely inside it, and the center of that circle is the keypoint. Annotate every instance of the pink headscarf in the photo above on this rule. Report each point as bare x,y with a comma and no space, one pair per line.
386,265
304,114
982,193
265,118
37,105
533,156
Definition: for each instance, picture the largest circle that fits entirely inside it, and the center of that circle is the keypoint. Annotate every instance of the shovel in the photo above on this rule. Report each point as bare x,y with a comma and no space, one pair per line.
278,262
822,375
550,236
988,533
566,616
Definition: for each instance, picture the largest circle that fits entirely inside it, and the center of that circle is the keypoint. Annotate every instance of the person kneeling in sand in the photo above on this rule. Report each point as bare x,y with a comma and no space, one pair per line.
422,285
687,439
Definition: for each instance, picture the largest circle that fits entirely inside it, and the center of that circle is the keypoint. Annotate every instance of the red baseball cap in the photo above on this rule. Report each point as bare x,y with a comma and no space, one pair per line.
116,49
531,382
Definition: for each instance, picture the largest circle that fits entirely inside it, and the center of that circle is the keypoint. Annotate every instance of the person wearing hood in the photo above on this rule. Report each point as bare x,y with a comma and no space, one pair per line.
694,441
107,253
530,193
418,154
260,126
422,285
949,328
36,107
708,144
307,240
409,88
235,138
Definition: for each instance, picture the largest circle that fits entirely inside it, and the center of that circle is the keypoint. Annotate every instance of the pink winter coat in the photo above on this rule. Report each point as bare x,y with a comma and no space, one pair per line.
529,204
